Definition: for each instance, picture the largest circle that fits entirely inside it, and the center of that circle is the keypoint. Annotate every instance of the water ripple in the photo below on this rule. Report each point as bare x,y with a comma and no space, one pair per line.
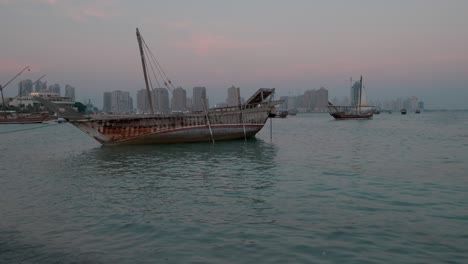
392,189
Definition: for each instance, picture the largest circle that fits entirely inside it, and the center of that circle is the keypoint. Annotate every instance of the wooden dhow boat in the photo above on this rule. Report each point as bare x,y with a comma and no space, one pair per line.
211,125
359,111
227,123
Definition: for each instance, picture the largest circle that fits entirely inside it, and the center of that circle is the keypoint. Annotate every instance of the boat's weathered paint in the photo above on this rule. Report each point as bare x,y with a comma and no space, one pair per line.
156,129
180,135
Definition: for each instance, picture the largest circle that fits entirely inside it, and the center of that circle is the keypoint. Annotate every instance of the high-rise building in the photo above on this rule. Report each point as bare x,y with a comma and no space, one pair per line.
292,102
189,104
25,87
130,103
142,101
313,100
321,99
179,99
161,100
107,102
232,98
307,100
121,102
198,98
70,92
55,88
414,102
355,93
40,86
421,105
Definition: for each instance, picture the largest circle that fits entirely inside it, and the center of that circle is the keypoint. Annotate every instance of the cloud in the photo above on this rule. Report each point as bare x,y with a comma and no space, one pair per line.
210,44
194,37
82,11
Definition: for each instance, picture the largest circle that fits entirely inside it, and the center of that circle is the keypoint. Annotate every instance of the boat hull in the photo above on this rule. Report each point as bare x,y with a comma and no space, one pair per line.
182,135
357,116
162,129
350,112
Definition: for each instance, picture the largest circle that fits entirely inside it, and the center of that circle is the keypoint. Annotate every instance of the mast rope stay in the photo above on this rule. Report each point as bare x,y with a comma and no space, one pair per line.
3,87
158,67
152,70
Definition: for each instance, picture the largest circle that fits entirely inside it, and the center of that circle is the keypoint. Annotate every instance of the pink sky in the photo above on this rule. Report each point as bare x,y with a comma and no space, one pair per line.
402,48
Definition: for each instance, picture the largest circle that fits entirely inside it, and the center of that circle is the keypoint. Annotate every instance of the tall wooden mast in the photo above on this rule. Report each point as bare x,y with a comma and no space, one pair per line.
360,95
143,62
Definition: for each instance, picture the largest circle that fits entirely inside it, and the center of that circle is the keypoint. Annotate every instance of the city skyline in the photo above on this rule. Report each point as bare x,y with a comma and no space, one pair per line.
402,48
165,101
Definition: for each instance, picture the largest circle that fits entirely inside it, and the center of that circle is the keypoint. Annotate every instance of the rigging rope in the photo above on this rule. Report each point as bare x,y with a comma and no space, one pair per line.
31,128
158,67
152,70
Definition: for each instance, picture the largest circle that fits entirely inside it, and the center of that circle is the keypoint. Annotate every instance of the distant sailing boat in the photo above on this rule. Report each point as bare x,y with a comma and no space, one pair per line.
359,111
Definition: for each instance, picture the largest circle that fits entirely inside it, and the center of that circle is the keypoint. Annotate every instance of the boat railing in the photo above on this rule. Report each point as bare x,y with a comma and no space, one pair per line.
243,107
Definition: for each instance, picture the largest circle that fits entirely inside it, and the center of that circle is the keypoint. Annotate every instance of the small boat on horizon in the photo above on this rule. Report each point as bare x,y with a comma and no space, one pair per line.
360,111
292,112
417,111
282,114
403,111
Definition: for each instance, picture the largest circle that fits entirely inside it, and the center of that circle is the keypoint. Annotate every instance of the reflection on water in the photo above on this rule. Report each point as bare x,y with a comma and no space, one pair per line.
131,195
163,179
252,154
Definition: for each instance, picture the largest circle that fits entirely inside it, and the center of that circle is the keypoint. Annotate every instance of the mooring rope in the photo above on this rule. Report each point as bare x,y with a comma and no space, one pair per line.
30,128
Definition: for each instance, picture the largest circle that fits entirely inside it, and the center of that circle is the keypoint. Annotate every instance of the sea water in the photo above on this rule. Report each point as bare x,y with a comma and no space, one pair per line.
393,189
